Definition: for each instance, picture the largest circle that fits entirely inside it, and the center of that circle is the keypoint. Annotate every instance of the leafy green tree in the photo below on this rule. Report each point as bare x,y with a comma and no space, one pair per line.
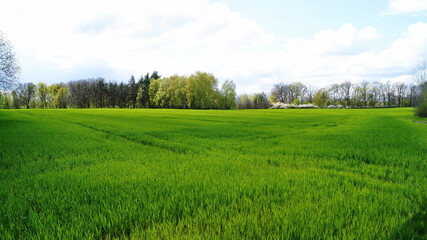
321,97
176,91
2,100
141,97
16,100
200,90
27,93
162,98
42,92
154,87
5,101
60,100
421,110
228,95
53,91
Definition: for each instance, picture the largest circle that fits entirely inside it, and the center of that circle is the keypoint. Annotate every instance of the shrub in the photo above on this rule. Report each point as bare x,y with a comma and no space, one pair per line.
334,106
280,105
421,110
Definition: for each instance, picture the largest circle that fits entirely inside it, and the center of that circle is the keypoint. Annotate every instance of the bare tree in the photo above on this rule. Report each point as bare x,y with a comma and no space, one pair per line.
346,91
334,91
9,68
374,93
362,91
281,92
297,90
420,73
399,89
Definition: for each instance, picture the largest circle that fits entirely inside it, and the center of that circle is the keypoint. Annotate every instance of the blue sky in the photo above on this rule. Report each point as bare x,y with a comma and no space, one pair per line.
254,43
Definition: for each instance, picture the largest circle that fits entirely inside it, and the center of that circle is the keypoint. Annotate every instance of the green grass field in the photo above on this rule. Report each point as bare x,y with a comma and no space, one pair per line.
188,174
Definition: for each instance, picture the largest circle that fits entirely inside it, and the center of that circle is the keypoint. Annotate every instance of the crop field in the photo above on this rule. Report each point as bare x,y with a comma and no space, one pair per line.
189,174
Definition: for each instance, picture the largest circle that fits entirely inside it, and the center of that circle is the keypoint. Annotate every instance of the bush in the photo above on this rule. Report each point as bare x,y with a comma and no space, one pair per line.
421,110
280,105
334,106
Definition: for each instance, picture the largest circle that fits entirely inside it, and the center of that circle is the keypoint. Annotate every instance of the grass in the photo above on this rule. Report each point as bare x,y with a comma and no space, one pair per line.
188,174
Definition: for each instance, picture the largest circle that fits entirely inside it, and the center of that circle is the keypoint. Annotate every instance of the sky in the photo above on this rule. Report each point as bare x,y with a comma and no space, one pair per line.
254,43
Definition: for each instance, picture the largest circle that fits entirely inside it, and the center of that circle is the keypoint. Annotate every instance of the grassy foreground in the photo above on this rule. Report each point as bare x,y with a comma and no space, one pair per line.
173,174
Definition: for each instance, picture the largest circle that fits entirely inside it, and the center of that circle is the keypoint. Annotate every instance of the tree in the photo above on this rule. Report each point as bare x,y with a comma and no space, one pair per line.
176,92
122,95
9,67
27,92
261,101
154,87
143,98
297,90
5,101
334,90
415,97
162,98
201,90
228,95
374,93
133,92
42,92
420,74
345,89
16,101
421,110
244,102
100,92
280,92
112,94
321,97
155,75
60,100
361,94
400,89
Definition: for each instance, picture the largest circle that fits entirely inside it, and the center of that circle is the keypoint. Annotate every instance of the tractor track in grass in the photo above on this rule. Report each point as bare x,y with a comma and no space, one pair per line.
124,137
421,122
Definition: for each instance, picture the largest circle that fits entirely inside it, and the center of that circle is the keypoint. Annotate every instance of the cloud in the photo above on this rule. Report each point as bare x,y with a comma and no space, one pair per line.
132,36
399,7
114,39
334,56
345,41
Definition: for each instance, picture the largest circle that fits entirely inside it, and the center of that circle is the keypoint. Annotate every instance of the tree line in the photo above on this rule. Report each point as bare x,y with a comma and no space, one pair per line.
200,91
197,91
346,94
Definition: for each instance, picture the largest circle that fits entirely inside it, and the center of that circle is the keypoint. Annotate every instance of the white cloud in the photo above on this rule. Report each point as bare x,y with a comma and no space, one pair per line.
132,36
346,41
333,56
398,7
114,39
